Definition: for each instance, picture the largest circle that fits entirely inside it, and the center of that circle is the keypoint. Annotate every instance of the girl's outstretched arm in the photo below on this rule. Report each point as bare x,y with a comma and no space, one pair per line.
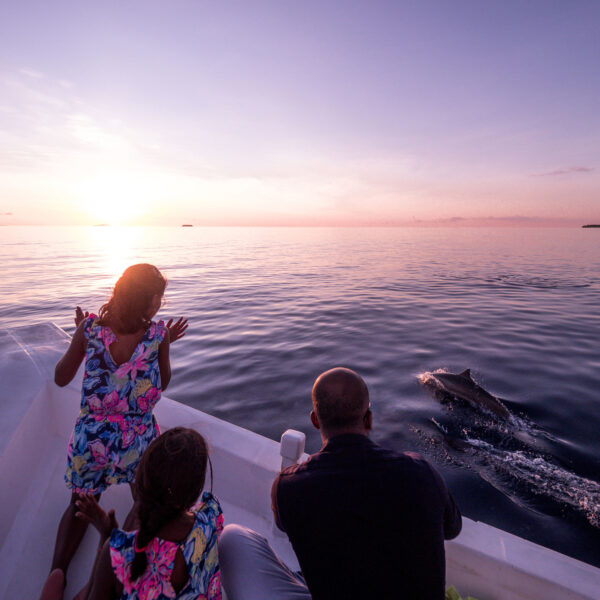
67,366
177,330
80,315
164,362
102,583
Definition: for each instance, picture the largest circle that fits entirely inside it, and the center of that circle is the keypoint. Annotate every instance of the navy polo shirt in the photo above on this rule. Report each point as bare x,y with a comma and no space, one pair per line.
366,522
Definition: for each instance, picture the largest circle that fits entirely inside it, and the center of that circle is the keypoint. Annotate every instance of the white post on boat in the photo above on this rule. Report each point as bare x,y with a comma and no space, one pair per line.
291,447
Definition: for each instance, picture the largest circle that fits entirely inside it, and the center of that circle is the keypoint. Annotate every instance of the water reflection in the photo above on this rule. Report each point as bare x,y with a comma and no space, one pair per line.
114,249
270,309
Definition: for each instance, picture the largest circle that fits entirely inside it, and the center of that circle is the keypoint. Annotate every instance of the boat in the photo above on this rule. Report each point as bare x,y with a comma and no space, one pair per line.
36,419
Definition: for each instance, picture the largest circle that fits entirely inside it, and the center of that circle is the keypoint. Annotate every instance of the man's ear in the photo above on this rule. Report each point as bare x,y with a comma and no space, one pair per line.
315,420
368,420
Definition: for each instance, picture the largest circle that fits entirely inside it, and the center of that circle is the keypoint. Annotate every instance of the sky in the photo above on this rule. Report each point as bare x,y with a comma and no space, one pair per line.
300,113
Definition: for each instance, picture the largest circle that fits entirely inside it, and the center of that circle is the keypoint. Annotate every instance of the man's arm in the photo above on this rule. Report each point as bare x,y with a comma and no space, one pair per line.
452,516
275,504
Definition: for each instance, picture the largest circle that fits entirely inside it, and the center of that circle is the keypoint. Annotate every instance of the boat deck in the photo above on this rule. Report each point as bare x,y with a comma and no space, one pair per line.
34,431
36,419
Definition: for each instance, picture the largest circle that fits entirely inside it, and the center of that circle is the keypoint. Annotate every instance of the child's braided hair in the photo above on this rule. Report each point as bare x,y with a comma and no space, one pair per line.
169,479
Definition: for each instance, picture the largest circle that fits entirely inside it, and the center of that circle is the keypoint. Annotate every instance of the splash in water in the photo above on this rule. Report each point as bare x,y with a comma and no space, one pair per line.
512,456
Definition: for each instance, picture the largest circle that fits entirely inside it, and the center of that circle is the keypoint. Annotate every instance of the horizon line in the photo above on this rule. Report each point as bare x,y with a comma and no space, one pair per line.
421,225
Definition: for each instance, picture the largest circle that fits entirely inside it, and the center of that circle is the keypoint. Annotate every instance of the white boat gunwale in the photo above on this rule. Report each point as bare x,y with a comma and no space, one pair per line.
485,562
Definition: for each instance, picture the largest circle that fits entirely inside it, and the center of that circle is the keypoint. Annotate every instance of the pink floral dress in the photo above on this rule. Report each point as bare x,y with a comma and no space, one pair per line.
115,423
199,551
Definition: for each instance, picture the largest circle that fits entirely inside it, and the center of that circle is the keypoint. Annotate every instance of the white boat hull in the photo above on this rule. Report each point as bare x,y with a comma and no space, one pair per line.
483,561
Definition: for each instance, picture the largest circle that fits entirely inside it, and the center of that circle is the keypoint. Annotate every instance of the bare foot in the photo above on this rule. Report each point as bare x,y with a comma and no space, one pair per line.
54,587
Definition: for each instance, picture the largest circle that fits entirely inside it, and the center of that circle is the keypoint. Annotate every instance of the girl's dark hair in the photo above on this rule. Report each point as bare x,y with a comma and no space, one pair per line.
127,310
169,479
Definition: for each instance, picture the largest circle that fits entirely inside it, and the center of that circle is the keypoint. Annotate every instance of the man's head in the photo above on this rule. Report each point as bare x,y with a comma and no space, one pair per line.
340,401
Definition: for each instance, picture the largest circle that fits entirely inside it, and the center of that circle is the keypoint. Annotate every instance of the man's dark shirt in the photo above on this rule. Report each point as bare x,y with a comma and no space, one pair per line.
366,522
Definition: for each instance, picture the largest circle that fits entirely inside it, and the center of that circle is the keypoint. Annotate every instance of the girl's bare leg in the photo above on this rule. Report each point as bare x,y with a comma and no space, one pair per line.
85,590
129,525
54,586
70,533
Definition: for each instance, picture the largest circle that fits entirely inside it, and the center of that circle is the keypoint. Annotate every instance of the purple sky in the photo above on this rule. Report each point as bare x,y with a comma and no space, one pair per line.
300,112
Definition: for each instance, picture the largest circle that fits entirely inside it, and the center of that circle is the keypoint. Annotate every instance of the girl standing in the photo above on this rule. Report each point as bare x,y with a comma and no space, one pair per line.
126,367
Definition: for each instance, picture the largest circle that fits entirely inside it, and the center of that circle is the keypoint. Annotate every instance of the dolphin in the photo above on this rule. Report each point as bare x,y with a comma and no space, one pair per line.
462,386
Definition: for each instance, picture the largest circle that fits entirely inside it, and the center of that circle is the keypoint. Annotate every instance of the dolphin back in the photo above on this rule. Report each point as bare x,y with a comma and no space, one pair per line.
463,387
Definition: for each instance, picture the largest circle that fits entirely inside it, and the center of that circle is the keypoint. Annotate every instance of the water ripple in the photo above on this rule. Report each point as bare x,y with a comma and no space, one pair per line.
270,309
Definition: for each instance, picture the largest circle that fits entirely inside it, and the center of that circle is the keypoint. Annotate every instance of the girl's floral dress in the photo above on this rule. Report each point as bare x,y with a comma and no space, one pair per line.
115,424
199,551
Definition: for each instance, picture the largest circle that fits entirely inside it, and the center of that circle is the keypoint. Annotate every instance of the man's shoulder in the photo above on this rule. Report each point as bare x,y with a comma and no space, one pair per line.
293,470
372,455
401,461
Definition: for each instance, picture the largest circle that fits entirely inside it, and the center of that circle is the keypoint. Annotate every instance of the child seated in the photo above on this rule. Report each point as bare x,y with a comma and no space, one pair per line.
173,551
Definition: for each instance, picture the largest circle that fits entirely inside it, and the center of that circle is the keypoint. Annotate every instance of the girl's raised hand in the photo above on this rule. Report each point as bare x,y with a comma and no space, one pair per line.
80,315
177,330
89,510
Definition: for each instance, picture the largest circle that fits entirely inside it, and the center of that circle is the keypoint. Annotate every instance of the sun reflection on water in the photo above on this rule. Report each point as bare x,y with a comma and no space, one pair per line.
115,248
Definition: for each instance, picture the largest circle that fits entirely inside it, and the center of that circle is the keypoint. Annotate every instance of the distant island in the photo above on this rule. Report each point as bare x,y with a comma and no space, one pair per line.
586,226
187,225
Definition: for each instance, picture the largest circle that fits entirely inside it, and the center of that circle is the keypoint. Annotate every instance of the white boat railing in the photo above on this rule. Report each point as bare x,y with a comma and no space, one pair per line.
483,561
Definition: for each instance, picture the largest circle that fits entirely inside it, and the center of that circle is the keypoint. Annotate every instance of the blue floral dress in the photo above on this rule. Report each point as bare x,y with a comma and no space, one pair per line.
115,424
199,551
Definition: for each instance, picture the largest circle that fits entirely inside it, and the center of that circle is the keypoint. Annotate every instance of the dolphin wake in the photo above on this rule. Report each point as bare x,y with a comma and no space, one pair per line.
536,475
513,455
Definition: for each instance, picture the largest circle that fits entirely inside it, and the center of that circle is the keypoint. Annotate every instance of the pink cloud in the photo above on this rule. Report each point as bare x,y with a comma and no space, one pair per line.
566,171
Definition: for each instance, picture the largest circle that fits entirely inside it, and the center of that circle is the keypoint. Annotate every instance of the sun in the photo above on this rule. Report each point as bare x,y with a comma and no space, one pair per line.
116,198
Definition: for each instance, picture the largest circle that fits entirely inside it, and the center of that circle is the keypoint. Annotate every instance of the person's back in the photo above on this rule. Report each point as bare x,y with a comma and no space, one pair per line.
366,522
126,366
363,521
193,574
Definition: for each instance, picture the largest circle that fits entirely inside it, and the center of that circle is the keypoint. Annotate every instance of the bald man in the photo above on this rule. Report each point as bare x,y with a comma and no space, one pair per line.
364,522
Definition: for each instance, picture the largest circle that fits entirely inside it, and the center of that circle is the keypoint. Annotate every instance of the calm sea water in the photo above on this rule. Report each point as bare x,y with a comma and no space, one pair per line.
270,309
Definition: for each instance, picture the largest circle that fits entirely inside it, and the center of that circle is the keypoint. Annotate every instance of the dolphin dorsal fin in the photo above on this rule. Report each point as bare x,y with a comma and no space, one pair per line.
466,373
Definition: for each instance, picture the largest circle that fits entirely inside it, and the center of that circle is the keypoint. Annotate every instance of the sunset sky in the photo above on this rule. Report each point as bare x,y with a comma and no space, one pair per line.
300,113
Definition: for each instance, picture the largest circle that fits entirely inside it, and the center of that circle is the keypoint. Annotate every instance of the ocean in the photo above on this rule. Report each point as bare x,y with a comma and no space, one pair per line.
271,308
